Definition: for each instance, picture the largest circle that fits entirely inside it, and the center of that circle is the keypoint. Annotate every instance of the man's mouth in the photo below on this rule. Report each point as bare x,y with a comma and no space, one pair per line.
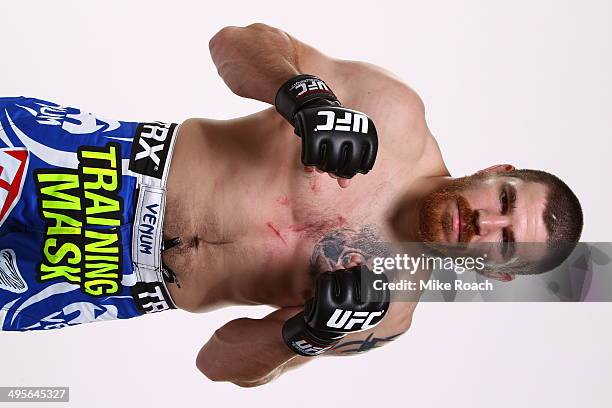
461,223
446,218
458,223
455,218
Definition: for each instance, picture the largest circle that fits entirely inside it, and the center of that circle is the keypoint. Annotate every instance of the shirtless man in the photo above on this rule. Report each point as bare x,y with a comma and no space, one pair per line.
246,223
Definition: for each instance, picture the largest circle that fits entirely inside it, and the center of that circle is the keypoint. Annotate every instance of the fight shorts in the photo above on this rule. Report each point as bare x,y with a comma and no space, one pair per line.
82,203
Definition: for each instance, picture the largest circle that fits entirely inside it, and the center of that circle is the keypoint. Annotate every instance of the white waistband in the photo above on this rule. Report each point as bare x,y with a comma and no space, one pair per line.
150,161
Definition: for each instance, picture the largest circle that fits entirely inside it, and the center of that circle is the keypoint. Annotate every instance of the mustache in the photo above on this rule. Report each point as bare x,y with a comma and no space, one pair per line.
469,220
436,222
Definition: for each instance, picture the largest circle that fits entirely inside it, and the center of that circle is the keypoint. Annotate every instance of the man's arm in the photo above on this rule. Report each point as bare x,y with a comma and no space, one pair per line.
252,352
254,61
249,352
264,63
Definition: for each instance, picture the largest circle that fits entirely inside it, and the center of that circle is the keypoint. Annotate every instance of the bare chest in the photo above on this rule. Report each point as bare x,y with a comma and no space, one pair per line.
254,226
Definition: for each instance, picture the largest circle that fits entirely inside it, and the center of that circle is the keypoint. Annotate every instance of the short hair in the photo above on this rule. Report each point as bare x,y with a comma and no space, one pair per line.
562,217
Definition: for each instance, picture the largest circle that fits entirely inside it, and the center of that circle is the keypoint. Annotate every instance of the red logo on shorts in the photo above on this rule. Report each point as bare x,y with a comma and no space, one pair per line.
13,166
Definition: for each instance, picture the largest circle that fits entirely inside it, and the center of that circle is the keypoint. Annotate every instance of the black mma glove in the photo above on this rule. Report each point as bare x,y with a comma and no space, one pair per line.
344,302
335,139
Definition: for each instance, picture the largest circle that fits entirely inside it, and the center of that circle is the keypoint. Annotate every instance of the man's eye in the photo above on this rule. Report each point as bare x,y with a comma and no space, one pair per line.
507,244
503,198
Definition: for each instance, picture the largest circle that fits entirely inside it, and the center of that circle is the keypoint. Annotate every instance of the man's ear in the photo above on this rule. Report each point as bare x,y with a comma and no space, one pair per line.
500,276
498,168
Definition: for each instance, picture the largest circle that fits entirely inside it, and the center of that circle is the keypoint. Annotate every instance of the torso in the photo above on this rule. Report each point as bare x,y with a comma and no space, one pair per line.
255,227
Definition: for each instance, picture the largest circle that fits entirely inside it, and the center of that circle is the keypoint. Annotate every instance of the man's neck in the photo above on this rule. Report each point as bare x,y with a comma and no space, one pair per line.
404,215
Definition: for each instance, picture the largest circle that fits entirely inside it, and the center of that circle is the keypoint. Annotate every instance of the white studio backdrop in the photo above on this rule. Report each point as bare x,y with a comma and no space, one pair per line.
524,82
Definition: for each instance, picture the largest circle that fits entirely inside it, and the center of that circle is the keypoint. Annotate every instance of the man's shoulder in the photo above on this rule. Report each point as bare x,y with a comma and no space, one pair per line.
364,77
396,109
360,83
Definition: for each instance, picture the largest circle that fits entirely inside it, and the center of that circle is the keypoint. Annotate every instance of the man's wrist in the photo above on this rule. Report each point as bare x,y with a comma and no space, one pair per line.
300,91
304,340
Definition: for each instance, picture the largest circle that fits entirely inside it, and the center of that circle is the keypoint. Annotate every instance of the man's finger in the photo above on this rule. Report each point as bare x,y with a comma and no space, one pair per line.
344,183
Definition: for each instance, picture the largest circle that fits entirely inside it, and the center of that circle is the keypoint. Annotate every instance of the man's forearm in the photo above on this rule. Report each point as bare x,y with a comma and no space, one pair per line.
254,61
249,352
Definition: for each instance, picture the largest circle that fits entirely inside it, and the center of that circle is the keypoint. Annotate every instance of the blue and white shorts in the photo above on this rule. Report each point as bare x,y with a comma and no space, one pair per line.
82,203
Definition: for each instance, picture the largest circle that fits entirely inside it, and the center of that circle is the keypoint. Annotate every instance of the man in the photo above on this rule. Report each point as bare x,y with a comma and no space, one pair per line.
245,222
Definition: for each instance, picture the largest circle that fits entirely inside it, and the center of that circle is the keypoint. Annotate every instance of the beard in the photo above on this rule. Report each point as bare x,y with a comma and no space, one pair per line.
435,221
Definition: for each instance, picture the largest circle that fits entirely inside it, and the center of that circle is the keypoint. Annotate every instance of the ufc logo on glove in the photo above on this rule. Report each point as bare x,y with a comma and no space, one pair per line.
346,319
352,121
344,302
310,85
336,140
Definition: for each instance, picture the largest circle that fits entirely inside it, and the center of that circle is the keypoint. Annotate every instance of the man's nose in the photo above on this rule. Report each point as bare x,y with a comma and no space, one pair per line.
488,222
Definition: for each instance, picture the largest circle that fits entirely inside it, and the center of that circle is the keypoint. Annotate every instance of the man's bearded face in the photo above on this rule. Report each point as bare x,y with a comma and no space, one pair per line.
484,208
486,214
446,216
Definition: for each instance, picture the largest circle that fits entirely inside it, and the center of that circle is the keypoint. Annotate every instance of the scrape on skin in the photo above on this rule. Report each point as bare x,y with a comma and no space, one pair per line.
283,200
276,232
